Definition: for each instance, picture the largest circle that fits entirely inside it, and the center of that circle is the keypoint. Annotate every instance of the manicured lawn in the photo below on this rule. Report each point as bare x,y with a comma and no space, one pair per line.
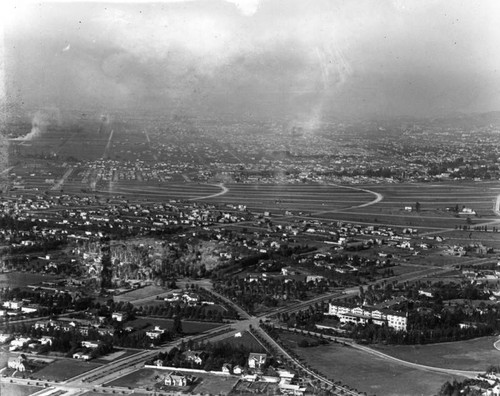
64,369
372,374
475,355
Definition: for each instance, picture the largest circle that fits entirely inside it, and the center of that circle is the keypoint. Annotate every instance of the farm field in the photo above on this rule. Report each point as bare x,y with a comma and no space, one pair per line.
63,369
372,374
477,354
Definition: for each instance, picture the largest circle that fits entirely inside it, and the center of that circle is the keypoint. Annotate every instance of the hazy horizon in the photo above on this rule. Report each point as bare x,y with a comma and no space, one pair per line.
305,60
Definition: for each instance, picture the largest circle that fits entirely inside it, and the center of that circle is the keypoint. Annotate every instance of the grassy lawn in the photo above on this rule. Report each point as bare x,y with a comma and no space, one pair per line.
64,369
476,354
17,390
371,374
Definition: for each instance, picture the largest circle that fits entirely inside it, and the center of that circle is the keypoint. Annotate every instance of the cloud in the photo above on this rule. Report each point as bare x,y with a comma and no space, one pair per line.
273,56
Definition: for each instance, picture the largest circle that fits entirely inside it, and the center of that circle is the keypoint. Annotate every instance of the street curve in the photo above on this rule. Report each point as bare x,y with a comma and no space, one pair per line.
220,185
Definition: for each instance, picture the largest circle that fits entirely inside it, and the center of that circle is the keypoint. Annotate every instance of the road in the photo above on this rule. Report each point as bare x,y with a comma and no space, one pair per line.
94,379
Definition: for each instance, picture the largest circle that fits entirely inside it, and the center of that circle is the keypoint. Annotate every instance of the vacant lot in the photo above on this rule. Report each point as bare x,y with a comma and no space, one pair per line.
371,374
476,354
187,326
204,383
143,292
23,279
293,339
64,369
17,390
215,385
246,340
142,378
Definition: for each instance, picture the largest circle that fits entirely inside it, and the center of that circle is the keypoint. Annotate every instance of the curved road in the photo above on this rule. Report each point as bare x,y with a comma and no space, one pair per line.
378,197
221,185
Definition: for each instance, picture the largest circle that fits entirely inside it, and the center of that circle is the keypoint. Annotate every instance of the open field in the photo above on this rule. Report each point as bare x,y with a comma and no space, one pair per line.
204,383
23,279
142,378
155,191
187,326
17,390
476,354
372,374
63,369
215,384
137,294
247,340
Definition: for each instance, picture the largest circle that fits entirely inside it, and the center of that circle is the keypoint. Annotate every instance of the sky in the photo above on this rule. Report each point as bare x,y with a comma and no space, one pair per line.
309,60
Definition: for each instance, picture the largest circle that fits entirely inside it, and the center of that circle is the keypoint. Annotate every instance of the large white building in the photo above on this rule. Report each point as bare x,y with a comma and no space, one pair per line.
349,313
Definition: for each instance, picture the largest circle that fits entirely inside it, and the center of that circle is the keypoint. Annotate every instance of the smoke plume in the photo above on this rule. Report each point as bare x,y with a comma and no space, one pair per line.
41,121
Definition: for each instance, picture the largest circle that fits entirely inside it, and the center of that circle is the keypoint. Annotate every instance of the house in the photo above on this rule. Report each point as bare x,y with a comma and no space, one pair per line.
5,338
91,344
191,298
19,342
119,316
156,333
19,363
197,357
46,340
256,360
288,271
249,377
292,389
176,379
13,304
172,297
29,309
237,370
314,278
81,356
226,368
158,363
426,292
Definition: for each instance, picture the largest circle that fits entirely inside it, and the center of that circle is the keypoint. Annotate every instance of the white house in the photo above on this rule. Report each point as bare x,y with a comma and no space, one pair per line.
256,360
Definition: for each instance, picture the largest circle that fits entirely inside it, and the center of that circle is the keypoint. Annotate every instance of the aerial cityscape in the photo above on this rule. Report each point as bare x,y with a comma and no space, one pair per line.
240,197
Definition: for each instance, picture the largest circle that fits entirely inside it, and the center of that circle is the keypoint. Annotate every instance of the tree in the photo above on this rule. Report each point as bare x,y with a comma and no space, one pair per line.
177,326
417,206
